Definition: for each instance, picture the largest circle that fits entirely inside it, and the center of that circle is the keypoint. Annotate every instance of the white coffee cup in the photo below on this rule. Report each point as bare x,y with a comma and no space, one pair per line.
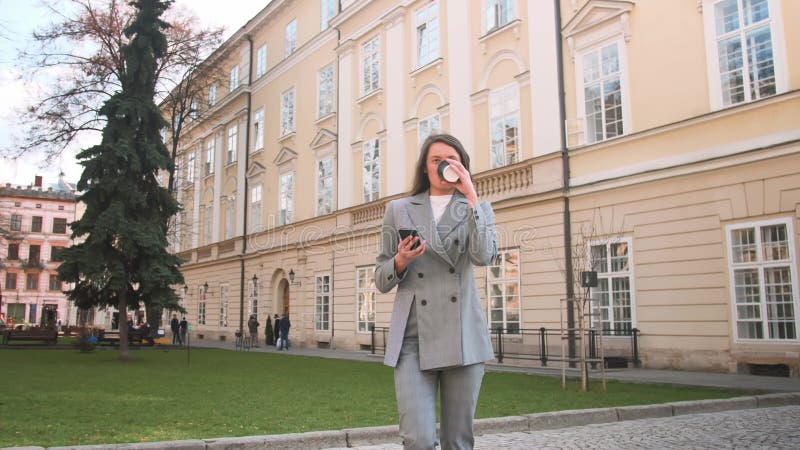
446,172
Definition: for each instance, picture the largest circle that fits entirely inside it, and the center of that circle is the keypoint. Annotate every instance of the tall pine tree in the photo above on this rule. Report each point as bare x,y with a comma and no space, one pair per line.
122,260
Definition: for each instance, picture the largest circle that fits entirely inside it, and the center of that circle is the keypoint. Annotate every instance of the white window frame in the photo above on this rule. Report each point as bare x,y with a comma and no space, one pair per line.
209,164
208,227
201,307
365,306
254,298
322,302
493,20
371,163
230,217
426,34
233,141
621,48
223,306
212,95
371,65
290,38
287,112
258,130
324,199
325,94
427,126
609,275
255,208
261,61
507,281
233,83
286,198
779,59
327,12
193,110
190,162
761,264
508,111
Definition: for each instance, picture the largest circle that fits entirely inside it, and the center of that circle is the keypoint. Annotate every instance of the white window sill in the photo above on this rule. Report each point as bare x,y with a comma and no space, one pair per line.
287,136
513,25
377,92
325,117
436,64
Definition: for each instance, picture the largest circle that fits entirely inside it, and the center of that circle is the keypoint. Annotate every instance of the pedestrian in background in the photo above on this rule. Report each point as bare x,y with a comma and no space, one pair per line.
285,324
277,330
184,328
174,325
252,326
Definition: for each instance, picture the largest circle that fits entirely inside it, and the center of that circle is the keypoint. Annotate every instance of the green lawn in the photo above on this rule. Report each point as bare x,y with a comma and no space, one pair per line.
63,397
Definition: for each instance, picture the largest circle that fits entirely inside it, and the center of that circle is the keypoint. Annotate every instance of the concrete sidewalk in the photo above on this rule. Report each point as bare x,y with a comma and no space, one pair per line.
780,403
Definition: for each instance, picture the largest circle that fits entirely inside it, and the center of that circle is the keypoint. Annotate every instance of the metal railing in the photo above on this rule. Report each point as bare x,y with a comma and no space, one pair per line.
535,344
374,346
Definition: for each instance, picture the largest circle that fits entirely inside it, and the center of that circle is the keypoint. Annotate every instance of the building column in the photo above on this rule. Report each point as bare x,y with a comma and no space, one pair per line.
198,180
396,75
459,69
241,174
542,41
344,111
219,164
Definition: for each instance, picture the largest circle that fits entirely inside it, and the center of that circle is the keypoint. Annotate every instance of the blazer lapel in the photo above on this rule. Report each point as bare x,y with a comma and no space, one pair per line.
419,210
454,215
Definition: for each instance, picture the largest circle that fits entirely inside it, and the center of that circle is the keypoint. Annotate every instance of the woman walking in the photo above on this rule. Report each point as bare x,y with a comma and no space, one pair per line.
438,338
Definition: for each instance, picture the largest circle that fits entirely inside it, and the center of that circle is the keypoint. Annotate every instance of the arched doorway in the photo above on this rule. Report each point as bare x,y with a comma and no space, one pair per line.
282,307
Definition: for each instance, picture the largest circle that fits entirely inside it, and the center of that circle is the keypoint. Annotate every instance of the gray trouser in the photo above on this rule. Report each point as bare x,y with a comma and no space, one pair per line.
416,402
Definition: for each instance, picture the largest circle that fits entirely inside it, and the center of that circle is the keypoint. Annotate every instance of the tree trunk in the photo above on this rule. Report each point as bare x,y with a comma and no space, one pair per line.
124,353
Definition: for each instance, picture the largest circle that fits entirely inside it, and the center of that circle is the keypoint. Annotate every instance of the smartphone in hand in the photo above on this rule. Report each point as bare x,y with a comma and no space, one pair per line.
405,232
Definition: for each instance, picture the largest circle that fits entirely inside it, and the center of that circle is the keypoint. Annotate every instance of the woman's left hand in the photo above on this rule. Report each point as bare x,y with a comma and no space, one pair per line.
464,183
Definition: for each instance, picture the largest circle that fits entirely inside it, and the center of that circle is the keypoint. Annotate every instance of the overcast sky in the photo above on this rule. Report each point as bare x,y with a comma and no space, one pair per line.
18,19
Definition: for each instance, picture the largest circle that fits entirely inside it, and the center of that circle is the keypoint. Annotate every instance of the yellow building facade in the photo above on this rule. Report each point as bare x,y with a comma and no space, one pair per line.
656,141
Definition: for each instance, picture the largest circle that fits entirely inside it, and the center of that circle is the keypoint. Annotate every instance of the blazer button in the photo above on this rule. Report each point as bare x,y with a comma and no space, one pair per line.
423,302
420,275
452,270
391,276
456,242
453,299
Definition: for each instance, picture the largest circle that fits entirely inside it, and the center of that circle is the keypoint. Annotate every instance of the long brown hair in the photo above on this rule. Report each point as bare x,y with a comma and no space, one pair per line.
421,181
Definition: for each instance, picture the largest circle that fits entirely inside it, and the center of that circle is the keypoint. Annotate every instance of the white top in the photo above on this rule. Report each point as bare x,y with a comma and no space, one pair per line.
438,205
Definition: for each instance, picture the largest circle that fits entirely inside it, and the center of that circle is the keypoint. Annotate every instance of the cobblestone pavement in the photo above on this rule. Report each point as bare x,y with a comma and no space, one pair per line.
763,428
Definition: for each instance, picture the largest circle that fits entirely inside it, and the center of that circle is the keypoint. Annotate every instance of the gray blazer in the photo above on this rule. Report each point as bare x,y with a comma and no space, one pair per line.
452,327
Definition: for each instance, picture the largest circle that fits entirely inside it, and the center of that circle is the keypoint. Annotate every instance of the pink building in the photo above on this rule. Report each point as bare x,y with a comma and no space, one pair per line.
34,227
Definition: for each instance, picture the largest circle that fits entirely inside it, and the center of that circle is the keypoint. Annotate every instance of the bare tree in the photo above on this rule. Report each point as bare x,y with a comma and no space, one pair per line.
77,57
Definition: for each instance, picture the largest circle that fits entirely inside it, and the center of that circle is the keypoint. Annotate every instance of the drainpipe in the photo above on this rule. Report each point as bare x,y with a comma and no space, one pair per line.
246,189
569,276
332,345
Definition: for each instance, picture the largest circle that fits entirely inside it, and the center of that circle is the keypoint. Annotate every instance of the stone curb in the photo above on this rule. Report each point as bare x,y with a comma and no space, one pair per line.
703,406
349,438
497,425
570,418
357,437
643,412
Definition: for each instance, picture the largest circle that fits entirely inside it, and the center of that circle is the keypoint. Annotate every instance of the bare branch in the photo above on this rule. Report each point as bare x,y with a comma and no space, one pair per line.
77,61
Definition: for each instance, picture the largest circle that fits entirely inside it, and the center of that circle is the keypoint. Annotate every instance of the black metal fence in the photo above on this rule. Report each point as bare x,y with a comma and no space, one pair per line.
544,345
378,342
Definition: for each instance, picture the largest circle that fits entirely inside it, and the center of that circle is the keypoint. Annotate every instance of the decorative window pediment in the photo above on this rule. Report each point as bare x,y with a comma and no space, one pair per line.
286,159
255,169
323,138
598,20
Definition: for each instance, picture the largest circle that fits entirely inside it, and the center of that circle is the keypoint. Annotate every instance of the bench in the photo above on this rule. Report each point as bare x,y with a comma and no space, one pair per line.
138,336
49,337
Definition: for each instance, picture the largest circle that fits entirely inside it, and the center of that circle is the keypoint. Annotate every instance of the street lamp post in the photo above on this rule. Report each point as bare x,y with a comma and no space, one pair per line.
255,292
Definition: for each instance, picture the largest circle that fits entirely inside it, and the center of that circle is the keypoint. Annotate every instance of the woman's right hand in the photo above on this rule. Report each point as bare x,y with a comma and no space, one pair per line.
405,254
